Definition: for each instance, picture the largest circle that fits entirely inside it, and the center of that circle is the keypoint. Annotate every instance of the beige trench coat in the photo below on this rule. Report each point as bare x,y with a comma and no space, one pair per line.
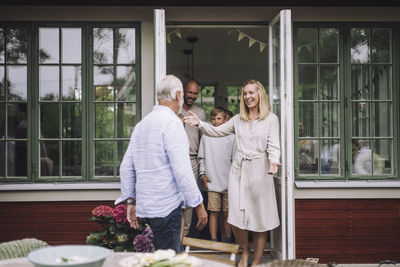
251,191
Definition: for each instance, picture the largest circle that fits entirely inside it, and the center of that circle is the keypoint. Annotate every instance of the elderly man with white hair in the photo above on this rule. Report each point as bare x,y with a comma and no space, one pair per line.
156,174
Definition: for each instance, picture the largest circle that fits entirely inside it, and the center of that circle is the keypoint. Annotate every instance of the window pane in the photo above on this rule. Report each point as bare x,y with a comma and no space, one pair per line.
49,120
122,146
17,83
104,158
103,46
17,121
2,121
276,63
125,46
126,81
126,116
328,45
381,82
104,120
2,48
362,157
49,45
71,45
71,83
233,98
103,83
381,43
72,158
307,82
383,156
49,85
2,84
16,45
308,120
329,83
16,158
382,120
360,45
72,120
360,82
307,44
361,119
2,158
49,158
330,119
330,157
308,156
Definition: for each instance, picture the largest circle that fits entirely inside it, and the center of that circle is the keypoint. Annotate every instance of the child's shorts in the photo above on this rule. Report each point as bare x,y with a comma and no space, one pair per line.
216,200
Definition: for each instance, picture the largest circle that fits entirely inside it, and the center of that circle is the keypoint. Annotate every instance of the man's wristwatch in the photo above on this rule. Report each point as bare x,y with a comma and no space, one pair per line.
131,201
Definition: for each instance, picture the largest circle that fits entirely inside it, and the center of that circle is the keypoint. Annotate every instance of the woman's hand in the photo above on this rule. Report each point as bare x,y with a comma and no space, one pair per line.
192,120
273,168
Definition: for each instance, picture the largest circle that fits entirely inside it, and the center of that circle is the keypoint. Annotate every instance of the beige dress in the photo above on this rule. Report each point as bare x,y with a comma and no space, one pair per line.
251,192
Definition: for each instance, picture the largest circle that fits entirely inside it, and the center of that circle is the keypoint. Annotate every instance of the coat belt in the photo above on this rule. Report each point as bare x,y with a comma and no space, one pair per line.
244,179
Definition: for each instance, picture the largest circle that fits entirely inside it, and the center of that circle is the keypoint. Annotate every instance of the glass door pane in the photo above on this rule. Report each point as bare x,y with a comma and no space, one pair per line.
281,98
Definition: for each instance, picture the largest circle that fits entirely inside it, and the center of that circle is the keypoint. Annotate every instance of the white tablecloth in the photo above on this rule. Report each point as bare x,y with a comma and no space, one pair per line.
111,261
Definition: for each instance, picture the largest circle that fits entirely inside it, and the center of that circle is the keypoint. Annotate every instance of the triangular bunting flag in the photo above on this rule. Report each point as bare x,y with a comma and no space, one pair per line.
262,46
241,36
251,41
169,39
178,33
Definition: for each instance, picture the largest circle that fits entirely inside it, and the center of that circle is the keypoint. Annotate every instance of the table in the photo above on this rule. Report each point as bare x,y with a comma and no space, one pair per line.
111,261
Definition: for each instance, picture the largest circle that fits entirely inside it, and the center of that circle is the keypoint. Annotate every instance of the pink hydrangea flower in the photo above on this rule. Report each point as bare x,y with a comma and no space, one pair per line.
101,211
119,213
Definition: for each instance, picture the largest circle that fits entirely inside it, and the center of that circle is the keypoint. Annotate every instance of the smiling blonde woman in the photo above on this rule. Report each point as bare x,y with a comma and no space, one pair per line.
251,192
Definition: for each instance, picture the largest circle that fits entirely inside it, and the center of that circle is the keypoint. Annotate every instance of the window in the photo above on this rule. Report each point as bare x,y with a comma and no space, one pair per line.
68,100
60,102
344,102
234,93
114,96
13,103
205,99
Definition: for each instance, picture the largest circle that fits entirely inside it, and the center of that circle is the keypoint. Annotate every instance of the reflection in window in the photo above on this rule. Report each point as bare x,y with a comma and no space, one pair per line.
60,117
362,145
114,96
47,100
13,103
318,93
205,99
371,101
234,94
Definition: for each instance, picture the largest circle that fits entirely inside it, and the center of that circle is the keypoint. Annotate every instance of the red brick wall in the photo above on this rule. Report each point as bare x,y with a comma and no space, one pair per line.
348,230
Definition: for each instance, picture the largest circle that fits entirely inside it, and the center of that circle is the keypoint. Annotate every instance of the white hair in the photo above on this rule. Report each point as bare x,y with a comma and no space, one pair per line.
167,88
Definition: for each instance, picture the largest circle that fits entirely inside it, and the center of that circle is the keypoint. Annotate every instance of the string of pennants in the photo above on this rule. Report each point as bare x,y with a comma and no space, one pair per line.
241,36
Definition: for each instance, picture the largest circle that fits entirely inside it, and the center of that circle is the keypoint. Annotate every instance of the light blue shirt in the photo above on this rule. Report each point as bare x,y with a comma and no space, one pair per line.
156,168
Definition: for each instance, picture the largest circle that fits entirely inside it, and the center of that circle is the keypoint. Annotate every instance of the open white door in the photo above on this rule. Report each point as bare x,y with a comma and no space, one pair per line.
281,98
160,48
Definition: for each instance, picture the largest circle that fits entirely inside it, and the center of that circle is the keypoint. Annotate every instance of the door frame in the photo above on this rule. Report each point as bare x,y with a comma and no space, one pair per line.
286,249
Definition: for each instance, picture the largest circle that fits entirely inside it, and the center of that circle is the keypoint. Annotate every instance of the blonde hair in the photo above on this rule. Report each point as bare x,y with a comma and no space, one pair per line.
263,104
217,110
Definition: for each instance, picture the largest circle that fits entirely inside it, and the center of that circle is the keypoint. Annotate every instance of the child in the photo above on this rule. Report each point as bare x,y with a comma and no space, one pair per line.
215,158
